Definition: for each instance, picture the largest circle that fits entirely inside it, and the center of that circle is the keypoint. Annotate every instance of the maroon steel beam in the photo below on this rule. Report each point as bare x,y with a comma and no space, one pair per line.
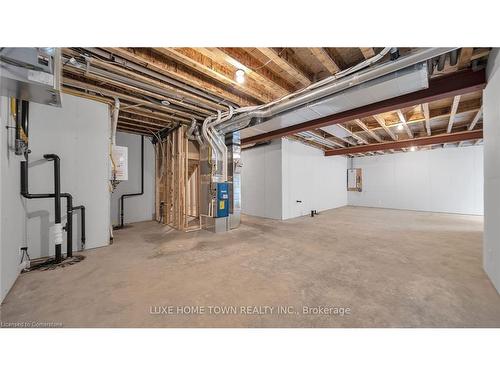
439,88
423,141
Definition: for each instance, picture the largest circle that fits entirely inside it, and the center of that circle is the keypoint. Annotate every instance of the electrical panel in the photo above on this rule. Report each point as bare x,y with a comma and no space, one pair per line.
120,160
31,74
354,179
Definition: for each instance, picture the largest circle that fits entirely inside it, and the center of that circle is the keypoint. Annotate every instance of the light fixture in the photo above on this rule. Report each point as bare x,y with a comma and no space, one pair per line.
400,127
240,76
165,103
412,148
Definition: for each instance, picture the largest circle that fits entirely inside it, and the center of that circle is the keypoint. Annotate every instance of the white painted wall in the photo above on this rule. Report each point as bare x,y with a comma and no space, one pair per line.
308,176
261,181
441,180
12,208
79,133
275,176
491,125
139,208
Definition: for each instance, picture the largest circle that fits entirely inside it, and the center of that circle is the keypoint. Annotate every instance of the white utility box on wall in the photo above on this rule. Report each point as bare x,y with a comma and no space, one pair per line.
354,181
120,158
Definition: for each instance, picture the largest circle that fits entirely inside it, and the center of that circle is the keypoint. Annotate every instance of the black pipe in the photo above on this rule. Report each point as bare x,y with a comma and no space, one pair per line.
82,211
122,210
69,208
57,199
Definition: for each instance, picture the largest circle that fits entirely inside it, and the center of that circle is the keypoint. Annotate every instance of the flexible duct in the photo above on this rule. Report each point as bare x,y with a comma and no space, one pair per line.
329,87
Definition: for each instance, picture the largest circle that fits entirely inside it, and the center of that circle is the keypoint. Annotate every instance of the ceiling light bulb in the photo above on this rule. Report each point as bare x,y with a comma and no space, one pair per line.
412,148
240,76
400,127
165,102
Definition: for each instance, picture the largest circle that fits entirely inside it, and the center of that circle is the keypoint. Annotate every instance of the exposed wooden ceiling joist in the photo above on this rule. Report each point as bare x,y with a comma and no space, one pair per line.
287,63
205,64
167,111
439,88
129,88
352,134
424,141
240,59
362,125
381,121
164,66
163,87
325,59
465,58
367,52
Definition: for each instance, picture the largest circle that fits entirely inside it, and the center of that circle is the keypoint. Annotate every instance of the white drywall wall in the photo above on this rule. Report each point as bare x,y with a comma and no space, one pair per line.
441,180
308,176
261,181
491,125
12,208
79,133
142,207
275,176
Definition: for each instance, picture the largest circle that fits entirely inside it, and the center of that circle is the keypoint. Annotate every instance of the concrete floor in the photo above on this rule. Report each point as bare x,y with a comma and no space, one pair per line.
391,268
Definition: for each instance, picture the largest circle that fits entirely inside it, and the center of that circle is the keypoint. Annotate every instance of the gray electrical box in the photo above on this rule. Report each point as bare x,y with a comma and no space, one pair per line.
32,74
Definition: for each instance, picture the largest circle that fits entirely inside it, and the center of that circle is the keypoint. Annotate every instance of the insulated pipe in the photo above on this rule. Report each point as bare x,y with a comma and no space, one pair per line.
127,63
142,185
314,92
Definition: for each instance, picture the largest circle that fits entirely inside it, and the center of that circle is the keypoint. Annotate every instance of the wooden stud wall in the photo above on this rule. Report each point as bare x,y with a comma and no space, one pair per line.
178,188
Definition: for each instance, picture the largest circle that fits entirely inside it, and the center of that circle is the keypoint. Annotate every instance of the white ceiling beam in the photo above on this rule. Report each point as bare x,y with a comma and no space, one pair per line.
454,107
404,123
476,119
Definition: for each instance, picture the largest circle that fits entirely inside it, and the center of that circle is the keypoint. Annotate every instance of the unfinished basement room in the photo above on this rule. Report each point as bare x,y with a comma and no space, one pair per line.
250,187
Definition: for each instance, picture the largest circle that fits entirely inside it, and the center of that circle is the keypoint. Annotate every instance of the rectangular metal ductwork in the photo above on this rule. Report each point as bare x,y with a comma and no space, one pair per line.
392,85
